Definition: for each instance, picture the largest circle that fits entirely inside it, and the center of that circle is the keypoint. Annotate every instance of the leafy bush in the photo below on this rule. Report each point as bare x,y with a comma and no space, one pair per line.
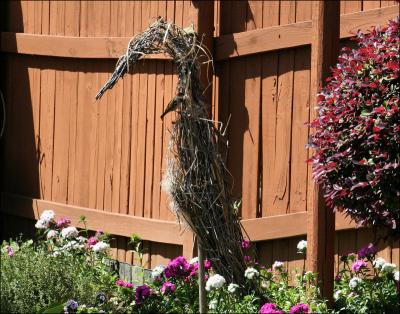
357,131
367,284
61,265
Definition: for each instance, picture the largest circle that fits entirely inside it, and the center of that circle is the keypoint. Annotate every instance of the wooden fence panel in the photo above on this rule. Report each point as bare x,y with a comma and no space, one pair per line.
62,146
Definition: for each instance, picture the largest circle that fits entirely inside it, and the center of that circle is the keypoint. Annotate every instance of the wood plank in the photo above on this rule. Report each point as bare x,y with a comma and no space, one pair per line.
116,224
320,222
68,46
259,229
226,46
294,35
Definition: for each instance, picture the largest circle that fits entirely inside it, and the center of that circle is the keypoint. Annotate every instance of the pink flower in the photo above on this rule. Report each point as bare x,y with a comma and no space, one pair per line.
141,293
357,265
270,308
92,241
207,264
299,308
63,222
178,267
168,287
10,251
124,284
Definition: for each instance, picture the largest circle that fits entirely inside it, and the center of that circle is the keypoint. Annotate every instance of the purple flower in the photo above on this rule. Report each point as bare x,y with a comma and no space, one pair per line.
357,265
71,306
367,251
63,222
246,244
299,308
270,308
338,277
141,293
247,259
10,251
168,287
178,267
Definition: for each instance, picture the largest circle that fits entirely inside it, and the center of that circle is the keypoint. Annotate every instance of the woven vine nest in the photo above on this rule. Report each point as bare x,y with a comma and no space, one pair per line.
196,177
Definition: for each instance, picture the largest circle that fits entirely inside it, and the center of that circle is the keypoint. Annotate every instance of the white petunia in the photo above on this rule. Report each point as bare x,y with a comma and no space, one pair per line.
379,262
41,224
52,234
213,305
194,260
396,276
277,265
354,282
302,246
337,294
215,282
72,245
388,268
47,215
157,271
82,239
100,246
69,232
233,287
251,272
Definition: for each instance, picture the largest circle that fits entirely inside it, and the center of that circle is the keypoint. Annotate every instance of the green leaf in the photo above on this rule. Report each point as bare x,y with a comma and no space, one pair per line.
54,308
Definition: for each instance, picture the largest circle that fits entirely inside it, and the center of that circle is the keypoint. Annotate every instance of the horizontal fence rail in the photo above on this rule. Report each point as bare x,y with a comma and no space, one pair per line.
258,229
225,46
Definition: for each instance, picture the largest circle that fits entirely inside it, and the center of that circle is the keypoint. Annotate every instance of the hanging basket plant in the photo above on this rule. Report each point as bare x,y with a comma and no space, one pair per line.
357,131
196,177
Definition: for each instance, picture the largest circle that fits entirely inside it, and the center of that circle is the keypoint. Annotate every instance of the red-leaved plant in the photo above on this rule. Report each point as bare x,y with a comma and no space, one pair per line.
357,131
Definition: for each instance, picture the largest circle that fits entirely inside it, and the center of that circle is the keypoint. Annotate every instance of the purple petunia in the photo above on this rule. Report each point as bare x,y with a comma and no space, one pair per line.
299,308
71,306
142,293
367,251
168,287
178,267
92,241
270,308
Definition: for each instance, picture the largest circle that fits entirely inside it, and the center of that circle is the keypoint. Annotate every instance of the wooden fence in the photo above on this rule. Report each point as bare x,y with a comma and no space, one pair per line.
105,160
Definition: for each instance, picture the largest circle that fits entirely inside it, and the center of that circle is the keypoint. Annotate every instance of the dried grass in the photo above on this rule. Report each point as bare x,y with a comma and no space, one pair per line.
196,177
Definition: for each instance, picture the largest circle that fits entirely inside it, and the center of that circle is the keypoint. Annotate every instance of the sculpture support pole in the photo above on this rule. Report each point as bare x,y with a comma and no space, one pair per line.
202,285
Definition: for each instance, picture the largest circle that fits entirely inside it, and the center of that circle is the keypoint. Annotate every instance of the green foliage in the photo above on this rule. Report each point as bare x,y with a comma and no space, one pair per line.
368,289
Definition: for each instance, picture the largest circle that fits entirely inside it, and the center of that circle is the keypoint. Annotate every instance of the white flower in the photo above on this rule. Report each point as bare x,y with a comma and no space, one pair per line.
378,263
353,283
232,287
388,268
308,275
69,232
194,260
277,265
72,245
41,224
213,305
251,272
47,215
100,246
302,246
157,271
397,276
215,282
82,239
52,234
337,294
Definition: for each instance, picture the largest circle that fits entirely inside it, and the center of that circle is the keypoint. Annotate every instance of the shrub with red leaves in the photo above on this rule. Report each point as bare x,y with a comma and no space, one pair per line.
357,131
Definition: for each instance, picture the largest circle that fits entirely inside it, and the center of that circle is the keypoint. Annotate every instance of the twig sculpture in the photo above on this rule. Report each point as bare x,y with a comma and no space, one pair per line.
195,178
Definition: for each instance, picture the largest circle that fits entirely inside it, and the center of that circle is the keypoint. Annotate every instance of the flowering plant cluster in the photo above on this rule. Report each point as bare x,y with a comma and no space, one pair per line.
367,284
357,131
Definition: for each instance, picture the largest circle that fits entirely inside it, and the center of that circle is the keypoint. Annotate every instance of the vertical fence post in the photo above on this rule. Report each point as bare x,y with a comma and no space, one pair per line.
321,221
